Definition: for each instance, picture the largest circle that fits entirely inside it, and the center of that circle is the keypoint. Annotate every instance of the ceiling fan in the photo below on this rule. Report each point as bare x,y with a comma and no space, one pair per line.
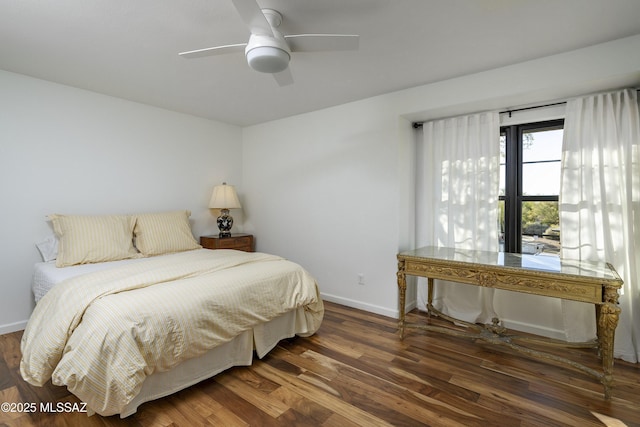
268,50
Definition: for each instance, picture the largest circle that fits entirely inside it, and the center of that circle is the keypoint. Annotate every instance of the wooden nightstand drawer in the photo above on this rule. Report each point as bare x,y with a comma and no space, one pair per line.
234,242
240,242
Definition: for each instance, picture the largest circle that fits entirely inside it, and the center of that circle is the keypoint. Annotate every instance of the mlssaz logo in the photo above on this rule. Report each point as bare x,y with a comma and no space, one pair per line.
63,407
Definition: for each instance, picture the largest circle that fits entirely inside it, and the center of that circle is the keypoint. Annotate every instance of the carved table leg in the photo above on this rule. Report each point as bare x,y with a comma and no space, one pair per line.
402,288
608,315
429,296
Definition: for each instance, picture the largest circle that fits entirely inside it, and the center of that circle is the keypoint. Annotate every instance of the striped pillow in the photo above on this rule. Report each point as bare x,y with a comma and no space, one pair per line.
85,239
163,233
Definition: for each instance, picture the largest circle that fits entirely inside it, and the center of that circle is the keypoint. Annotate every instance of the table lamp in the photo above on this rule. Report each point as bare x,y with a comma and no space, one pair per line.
224,197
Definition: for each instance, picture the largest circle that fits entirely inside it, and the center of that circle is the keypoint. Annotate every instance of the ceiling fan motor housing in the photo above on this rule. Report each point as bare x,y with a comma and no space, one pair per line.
268,54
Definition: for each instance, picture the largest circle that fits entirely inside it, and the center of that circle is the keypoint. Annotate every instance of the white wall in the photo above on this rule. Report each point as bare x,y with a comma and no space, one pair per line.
71,151
331,189
322,190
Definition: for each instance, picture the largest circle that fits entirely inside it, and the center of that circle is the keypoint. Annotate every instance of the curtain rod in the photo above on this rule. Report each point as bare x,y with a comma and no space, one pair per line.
532,108
417,125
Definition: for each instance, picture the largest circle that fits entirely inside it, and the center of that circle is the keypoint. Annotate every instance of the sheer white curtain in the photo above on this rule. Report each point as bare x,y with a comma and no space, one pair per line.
457,202
600,205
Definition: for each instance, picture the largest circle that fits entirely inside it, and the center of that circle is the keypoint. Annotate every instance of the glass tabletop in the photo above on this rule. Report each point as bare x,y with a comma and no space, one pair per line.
553,264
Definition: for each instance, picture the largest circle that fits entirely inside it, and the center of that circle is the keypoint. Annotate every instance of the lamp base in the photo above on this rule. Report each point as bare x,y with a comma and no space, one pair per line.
225,222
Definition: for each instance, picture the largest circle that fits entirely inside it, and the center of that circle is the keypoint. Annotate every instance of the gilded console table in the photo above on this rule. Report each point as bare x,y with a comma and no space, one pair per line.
593,283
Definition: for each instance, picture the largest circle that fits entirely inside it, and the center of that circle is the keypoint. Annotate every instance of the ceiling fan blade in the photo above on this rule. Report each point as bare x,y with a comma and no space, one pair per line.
284,78
252,15
217,50
322,42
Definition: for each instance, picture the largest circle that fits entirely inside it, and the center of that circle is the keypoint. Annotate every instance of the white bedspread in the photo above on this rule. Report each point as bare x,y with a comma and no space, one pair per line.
102,333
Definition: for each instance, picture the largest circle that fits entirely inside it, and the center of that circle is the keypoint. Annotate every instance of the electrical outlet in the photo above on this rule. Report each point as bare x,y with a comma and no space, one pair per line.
360,279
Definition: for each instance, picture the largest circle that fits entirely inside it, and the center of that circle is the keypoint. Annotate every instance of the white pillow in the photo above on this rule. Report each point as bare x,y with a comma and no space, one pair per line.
48,248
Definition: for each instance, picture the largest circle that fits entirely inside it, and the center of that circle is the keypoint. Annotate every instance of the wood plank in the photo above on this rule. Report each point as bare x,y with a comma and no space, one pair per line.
254,395
10,349
335,400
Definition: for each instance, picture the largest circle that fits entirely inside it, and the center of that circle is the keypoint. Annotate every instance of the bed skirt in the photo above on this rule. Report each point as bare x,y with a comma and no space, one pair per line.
238,352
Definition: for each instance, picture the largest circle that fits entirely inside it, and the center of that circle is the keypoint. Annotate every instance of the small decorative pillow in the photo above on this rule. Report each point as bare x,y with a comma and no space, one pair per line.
164,233
48,248
85,239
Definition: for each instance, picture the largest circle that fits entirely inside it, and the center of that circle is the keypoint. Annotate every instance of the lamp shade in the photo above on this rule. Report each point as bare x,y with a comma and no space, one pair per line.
224,197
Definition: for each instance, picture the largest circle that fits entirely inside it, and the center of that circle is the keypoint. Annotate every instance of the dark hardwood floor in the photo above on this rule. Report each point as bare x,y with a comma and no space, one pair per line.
356,371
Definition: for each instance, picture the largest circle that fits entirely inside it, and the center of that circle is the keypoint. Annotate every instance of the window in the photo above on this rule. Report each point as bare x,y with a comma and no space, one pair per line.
529,220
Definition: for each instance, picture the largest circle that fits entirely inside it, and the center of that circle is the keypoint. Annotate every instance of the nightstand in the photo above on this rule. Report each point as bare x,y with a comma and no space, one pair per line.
240,242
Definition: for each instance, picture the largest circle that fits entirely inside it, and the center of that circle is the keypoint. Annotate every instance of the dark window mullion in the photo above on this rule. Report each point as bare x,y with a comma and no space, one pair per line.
540,198
533,162
513,207
517,230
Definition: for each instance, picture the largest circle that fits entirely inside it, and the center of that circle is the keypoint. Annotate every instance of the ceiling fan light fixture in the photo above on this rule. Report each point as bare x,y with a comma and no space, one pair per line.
268,59
268,50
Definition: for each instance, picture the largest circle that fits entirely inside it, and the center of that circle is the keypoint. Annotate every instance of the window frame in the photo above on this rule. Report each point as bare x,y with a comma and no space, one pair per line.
513,197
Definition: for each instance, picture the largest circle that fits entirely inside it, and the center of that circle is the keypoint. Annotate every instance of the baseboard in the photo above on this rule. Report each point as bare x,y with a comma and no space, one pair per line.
360,305
13,327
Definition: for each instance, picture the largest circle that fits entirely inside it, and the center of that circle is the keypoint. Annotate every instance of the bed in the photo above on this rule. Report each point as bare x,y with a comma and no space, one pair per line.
122,332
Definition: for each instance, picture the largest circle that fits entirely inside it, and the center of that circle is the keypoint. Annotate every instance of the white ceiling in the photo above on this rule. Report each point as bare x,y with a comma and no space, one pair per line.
128,48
